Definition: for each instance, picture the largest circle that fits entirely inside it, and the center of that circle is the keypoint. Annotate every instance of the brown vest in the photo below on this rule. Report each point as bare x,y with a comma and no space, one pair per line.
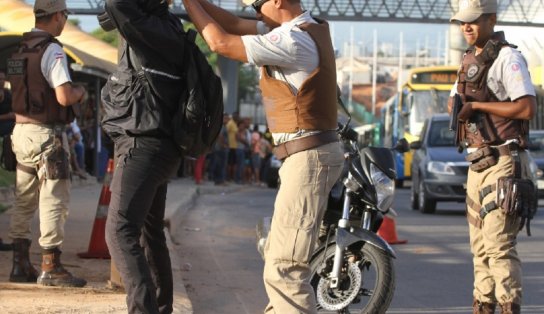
314,107
34,101
484,129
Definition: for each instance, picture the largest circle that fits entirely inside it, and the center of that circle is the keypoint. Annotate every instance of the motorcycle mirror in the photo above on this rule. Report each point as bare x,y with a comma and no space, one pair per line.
402,146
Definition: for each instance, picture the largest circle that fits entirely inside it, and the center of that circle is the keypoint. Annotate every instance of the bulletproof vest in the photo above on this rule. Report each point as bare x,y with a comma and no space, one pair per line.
484,129
34,101
314,106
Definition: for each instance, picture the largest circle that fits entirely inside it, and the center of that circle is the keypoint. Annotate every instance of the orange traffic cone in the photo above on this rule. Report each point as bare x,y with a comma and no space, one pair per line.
97,245
388,231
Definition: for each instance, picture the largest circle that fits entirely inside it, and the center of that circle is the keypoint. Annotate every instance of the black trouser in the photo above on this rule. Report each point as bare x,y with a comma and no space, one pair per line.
134,228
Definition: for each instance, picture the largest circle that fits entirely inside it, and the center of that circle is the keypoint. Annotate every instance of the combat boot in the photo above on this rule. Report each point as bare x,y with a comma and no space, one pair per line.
54,274
510,308
483,307
22,270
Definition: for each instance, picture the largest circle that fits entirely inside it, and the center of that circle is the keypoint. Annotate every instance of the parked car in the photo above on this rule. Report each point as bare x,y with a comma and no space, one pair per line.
536,150
439,171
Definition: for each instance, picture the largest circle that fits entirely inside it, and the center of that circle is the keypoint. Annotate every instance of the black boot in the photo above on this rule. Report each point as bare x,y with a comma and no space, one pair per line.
510,308
5,246
54,274
483,307
22,270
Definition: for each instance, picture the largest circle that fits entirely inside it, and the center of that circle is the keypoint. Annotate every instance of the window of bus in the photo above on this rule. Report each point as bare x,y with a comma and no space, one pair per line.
424,104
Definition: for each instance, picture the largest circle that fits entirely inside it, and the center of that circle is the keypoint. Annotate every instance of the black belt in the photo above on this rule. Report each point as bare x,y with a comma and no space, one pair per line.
289,148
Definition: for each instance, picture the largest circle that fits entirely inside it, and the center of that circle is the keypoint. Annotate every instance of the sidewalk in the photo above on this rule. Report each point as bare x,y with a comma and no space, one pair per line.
97,296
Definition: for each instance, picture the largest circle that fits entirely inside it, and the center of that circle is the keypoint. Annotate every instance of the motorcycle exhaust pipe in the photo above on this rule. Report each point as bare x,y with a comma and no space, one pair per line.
263,228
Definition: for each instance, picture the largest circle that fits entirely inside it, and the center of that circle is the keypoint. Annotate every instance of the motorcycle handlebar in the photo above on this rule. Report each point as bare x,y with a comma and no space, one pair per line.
347,133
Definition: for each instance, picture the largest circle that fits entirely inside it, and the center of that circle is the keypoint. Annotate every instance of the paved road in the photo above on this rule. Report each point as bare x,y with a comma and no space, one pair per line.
434,270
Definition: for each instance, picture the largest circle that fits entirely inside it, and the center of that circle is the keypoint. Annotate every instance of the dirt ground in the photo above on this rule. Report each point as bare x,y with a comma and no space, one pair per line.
31,298
96,297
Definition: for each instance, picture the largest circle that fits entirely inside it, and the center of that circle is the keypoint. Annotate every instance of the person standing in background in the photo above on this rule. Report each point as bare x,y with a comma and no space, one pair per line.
7,117
232,132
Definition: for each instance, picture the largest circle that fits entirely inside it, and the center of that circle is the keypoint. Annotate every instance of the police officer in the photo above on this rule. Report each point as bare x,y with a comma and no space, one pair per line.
43,95
498,100
298,83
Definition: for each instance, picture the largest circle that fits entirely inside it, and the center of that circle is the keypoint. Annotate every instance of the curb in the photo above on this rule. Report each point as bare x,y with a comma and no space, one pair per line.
173,217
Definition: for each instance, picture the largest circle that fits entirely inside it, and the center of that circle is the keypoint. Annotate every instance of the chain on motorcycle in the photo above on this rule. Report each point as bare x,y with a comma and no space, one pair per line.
339,298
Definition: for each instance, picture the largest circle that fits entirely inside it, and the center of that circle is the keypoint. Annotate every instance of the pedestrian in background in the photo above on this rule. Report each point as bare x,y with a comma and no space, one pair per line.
298,70
498,102
242,152
7,117
256,154
232,131
220,154
149,75
43,100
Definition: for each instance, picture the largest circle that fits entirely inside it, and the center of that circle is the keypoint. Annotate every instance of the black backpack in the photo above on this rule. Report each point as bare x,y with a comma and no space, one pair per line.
197,123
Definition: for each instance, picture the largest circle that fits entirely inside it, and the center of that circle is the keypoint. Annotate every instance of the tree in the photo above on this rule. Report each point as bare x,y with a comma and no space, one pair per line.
111,38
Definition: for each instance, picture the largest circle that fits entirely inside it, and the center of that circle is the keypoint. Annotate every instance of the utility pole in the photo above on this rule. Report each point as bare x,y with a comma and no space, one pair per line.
374,71
401,52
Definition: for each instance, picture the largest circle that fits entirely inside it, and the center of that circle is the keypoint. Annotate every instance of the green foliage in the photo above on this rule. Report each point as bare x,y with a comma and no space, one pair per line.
111,38
75,22
7,178
248,81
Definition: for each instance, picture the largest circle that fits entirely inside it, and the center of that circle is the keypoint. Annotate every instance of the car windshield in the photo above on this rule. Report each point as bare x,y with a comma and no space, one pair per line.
440,134
536,145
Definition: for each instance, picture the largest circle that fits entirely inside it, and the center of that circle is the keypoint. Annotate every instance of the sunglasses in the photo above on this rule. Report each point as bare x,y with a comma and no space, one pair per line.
65,13
257,5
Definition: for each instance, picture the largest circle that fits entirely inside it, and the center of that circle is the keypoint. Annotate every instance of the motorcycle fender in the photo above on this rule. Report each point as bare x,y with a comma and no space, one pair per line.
346,238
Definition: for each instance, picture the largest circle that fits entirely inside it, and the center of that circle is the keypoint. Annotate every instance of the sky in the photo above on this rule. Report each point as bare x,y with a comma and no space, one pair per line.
414,35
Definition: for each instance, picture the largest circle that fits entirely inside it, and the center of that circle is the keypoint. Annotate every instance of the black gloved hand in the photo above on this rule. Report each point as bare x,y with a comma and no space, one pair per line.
466,112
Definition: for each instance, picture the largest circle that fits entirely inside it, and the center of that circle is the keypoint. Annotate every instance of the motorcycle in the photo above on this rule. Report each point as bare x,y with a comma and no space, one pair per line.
352,269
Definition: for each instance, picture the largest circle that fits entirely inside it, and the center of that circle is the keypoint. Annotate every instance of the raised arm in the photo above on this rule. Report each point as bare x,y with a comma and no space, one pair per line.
218,39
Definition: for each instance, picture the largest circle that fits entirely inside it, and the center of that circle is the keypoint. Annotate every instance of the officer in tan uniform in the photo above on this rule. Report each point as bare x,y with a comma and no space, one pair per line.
43,95
298,84
498,100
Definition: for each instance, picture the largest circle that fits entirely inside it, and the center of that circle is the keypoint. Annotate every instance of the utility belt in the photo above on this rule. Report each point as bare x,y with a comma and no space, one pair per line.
488,156
291,147
515,196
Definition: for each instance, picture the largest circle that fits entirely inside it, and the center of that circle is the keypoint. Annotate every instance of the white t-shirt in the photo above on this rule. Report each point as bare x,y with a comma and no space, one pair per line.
54,64
291,55
508,77
286,47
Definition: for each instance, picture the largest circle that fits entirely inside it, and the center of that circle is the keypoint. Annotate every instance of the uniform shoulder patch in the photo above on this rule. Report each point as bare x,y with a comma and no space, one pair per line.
273,37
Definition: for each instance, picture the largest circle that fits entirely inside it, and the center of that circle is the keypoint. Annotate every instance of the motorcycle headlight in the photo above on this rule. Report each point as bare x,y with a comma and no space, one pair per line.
440,167
385,188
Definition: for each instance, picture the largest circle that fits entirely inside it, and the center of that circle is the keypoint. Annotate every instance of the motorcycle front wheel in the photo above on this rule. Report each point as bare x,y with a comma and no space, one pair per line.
366,284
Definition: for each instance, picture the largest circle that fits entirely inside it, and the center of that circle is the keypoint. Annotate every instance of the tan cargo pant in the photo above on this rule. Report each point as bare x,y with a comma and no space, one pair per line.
497,267
306,180
30,142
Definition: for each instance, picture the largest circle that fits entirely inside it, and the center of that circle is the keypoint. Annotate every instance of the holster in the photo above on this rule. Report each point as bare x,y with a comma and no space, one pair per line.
517,197
55,164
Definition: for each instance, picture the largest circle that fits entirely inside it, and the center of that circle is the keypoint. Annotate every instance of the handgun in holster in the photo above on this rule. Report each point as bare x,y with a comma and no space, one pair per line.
54,164
457,126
